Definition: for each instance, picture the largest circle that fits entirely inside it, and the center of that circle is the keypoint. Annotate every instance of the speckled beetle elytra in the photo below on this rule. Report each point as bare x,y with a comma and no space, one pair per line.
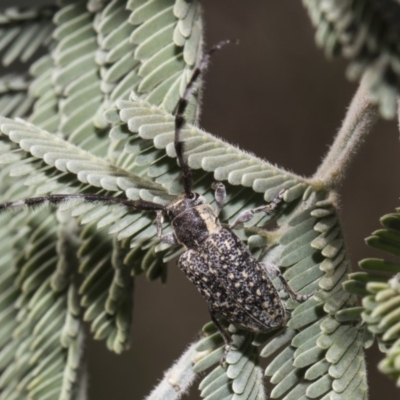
235,285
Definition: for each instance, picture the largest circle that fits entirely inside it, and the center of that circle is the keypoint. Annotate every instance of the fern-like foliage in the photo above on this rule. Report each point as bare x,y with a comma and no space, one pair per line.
366,32
102,99
381,299
67,101
23,32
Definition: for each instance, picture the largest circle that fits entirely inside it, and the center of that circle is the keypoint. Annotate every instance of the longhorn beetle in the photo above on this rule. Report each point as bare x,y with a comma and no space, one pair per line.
235,285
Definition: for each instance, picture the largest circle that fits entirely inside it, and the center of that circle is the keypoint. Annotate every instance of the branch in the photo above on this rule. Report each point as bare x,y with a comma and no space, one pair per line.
359,120
178,379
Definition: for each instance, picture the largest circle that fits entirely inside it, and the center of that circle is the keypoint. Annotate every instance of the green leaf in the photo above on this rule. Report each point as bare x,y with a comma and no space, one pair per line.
367,36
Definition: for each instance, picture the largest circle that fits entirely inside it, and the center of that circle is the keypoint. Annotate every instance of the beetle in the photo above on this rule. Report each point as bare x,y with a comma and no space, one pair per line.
234,284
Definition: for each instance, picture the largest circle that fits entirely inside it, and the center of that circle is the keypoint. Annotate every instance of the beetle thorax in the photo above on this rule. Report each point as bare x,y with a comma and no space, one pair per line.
193,220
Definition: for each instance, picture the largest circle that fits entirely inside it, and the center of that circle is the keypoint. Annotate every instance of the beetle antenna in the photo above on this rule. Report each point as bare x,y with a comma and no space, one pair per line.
180,118
57,199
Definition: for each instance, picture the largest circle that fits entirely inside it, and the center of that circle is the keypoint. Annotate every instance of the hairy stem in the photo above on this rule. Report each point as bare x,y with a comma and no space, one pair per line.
178,379
359,120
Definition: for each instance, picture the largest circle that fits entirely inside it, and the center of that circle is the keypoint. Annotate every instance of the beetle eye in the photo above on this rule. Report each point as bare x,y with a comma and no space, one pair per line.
192,196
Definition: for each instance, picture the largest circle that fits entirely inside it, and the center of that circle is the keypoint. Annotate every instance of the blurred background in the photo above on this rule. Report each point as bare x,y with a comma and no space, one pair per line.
277,96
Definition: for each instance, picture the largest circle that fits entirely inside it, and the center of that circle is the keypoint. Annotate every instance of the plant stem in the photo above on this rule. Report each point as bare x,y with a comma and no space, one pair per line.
359,120
178,379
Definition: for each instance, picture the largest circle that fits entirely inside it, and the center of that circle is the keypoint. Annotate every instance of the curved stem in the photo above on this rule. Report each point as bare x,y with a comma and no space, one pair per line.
359,120
178,379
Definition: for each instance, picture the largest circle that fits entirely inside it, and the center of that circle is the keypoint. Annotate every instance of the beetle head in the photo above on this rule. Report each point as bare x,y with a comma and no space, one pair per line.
185,203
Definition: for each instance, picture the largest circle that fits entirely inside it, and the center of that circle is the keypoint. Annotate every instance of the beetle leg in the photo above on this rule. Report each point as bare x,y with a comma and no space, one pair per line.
247,215
274,271
168,238
220,195
225,335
